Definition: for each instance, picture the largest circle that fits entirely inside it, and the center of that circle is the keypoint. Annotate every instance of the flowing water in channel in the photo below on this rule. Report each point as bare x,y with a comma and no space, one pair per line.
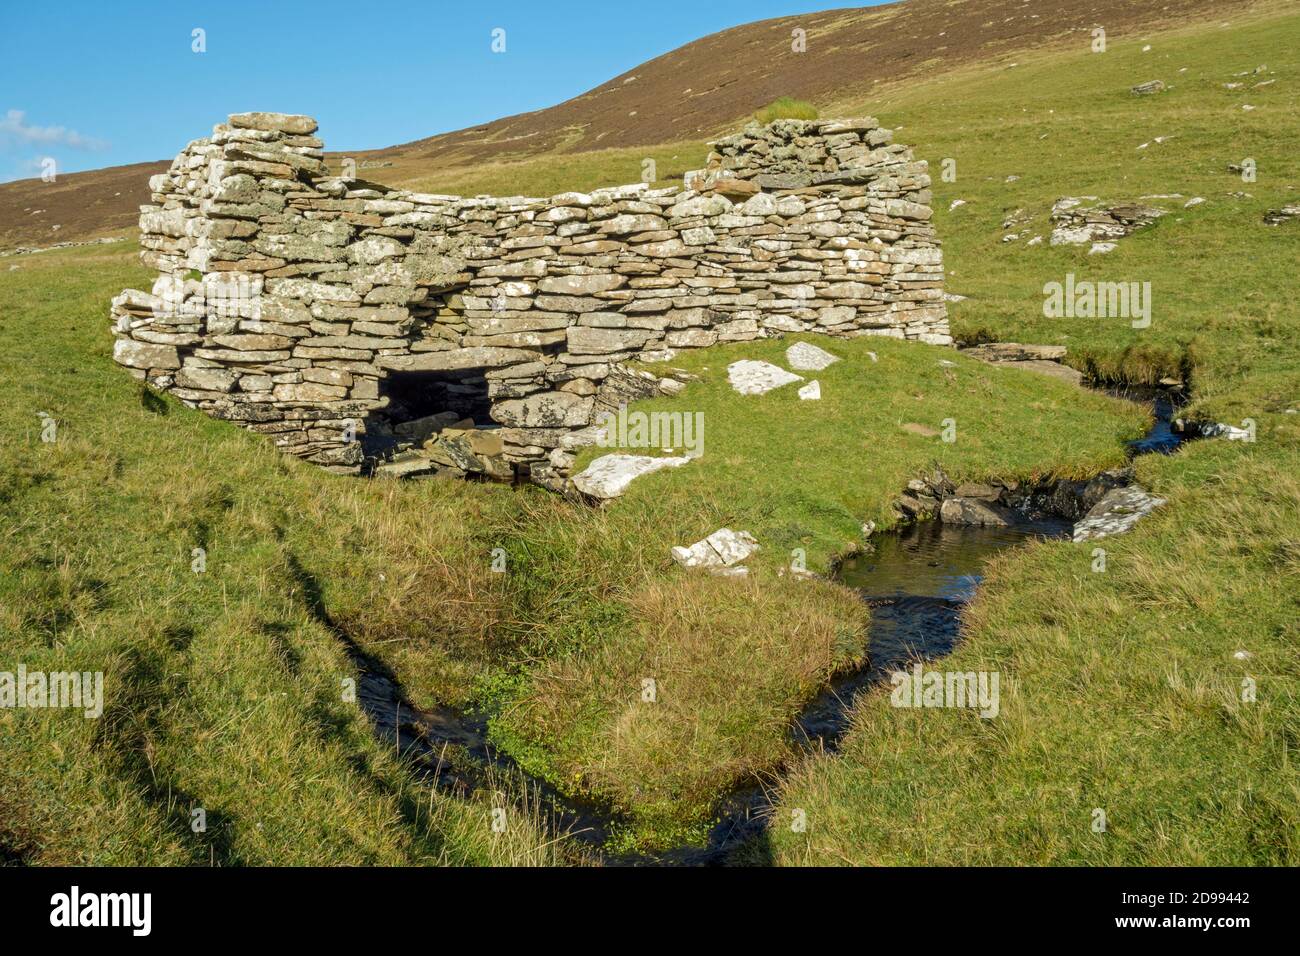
916,581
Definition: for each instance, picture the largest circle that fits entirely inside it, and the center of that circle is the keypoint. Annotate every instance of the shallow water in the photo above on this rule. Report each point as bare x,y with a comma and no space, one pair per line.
916,581
918,578
1161,439
451,751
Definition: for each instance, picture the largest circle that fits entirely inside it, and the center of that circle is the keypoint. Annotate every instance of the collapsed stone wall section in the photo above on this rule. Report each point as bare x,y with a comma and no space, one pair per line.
285,296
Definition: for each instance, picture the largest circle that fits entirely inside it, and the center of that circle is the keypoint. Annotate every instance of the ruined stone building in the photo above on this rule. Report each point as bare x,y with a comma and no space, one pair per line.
348,320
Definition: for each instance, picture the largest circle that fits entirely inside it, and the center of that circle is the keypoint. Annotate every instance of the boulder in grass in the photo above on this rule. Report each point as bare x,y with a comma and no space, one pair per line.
806,357
1118,511
720,552
1148,88
609,475
1275,217
1230,432
750,377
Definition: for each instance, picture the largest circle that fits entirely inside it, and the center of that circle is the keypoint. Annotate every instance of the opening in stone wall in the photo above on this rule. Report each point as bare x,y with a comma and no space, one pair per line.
435,423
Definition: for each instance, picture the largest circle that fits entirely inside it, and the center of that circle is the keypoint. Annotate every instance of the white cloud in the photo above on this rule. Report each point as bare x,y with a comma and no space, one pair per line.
14,128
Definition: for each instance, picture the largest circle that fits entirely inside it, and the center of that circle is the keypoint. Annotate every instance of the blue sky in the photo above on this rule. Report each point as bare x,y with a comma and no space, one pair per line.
95,84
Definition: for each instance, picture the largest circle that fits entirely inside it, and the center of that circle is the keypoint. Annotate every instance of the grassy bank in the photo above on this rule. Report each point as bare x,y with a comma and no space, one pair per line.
1122,690
733,661
101,527
223,690
1067,125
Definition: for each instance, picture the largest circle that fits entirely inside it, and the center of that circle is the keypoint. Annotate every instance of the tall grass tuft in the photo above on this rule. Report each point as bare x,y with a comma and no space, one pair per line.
786,107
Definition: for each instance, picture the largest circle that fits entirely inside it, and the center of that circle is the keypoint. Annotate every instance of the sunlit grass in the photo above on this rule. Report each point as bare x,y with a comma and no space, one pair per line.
786,107
1121,690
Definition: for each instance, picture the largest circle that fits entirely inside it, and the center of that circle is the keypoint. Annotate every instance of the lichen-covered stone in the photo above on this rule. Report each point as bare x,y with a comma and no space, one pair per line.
750,377
143,355
609,475
1118,511
807,357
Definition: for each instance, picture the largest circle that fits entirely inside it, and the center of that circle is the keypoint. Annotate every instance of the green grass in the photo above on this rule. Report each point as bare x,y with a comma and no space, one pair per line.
735,661
786,107
807,474
1067,125
102,524
221,679
224,688
1120,689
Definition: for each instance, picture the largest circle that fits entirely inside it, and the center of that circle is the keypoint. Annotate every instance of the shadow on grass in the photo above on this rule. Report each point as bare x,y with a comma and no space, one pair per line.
129,728
152,403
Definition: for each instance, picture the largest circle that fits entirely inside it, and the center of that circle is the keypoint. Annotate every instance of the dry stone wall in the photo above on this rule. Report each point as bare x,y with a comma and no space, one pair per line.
347,319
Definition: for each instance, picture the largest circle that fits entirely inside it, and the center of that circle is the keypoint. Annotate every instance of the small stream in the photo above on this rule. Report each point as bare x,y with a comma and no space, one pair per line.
916,580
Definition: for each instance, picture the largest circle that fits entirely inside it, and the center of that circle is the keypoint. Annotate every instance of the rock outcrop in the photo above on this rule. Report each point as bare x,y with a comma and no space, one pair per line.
1118,511
755,377
806,357
720,553
1275,217
329,312
1148,88
609,475
1075,222
1043,359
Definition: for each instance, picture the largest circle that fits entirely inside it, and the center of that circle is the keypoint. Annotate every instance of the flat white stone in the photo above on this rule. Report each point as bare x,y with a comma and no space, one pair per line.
1230,432
739,571
698,555
609,475
750,377
811,392
1118,511
807,357
719,551
1100,248
732,546
1071,235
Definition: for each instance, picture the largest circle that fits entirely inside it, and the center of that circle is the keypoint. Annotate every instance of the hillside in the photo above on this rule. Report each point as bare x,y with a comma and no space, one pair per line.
685,95
693,91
